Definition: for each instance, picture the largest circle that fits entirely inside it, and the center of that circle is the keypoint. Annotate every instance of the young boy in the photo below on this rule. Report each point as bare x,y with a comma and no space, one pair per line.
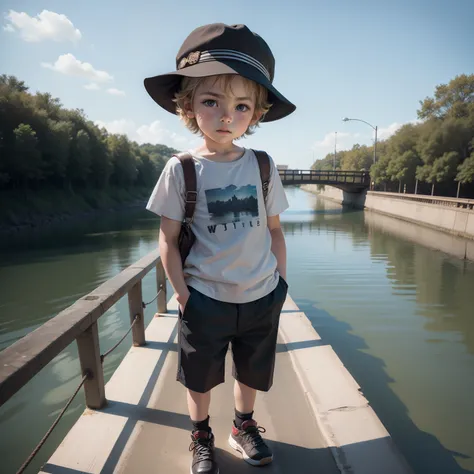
232,286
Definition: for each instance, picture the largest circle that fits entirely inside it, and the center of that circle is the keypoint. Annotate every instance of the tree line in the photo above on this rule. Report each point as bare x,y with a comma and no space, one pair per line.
435,153
44,145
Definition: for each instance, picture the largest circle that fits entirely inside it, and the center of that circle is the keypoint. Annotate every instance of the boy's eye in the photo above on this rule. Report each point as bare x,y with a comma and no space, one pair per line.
242,108
210,103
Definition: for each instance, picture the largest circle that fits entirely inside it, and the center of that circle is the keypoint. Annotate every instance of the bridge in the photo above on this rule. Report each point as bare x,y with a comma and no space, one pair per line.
350,181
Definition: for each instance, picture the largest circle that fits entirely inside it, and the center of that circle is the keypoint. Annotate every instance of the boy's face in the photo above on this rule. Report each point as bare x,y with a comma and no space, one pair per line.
223,115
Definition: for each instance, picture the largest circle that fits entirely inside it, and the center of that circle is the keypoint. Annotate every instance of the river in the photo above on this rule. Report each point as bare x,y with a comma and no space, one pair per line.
399,315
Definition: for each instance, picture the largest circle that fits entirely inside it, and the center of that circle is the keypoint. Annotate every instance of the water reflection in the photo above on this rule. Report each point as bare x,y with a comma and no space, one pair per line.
400,317
41,274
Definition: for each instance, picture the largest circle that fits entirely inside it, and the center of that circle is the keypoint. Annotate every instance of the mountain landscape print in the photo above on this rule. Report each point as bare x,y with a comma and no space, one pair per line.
229,204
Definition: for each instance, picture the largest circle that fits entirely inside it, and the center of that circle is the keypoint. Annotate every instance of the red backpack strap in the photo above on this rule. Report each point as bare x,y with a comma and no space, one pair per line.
189,172
264,165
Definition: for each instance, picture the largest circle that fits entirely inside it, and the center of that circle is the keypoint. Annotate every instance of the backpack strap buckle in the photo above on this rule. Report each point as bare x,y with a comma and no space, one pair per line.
191,197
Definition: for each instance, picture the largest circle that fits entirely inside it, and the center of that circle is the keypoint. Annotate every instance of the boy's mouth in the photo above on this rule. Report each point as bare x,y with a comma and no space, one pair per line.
224,131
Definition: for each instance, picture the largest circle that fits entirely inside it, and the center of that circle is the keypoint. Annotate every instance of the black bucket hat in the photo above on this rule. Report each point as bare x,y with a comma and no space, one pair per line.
217,49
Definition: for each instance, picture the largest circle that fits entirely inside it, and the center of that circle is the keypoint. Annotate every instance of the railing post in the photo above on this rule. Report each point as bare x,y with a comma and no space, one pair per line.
136,308
161,285
89,358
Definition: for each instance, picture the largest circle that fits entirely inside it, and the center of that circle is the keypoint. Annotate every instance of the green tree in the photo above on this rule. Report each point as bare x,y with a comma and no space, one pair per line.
425,173
378,171
50,105
41,142
27,165
327,163
56,144
125,167
466,171
359,158
101,160
455,99
12,83
442,169
403,167
80,158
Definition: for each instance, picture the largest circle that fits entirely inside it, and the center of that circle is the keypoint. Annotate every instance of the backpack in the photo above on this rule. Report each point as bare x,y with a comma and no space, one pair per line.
186,237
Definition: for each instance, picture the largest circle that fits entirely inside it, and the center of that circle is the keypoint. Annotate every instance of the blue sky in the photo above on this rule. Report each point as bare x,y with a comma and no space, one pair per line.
363,59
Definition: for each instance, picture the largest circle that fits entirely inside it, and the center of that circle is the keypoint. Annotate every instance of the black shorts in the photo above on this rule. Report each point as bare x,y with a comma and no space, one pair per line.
208,325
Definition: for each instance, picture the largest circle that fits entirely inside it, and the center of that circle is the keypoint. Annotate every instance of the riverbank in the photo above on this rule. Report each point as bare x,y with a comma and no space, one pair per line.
28,210
448,229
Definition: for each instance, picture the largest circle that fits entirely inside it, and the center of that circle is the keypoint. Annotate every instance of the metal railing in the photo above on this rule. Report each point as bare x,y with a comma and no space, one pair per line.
20,362
361,178
467,204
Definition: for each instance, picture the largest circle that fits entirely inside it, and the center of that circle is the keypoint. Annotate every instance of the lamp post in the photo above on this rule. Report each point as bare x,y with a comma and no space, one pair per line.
334,162
375,128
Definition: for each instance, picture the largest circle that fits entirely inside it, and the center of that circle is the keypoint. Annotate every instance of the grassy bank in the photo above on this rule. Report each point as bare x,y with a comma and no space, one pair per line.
35,208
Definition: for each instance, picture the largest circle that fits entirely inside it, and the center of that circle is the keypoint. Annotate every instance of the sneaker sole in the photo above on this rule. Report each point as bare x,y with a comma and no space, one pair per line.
191,470
262,462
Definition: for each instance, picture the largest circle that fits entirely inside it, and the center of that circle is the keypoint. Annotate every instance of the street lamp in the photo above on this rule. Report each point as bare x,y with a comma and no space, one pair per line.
345,119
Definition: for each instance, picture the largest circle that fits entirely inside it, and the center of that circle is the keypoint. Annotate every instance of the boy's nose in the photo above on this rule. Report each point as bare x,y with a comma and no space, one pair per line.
226,117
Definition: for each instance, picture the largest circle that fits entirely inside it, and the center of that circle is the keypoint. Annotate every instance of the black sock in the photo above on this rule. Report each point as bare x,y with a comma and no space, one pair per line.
241,417
201,425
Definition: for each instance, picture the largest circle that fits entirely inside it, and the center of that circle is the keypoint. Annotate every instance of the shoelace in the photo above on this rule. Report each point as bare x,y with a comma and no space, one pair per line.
253,432
201,448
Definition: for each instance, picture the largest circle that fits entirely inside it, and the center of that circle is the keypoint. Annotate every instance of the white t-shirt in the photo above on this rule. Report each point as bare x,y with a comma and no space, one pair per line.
231,259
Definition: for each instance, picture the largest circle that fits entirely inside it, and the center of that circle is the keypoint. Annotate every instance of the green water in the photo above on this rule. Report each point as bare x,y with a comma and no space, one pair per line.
399,315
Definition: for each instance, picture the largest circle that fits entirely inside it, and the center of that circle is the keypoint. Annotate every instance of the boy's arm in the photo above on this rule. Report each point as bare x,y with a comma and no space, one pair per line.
278,244
171,258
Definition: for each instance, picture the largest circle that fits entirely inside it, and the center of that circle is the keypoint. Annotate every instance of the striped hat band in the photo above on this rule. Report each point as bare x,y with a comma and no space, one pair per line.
199,57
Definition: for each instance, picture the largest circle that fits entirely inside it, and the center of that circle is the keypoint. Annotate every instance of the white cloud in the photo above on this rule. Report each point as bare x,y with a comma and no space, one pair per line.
45,26
322,147
92,86
116,92
329,138
384,133
69,65
153,133
122,126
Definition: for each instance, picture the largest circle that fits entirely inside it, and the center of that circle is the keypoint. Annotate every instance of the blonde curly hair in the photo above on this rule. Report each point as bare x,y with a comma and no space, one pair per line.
188,88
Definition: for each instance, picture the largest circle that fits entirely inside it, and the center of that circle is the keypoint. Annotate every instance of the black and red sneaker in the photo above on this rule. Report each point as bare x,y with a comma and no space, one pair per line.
248,441
202,446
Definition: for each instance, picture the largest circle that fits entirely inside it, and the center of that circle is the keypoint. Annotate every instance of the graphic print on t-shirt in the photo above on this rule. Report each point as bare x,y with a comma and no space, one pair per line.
232,203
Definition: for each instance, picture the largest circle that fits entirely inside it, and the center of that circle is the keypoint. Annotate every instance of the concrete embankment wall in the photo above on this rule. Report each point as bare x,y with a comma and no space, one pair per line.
456,225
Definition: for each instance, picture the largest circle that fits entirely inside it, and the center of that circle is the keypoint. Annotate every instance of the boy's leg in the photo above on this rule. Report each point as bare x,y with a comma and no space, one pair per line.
254,351
203,339
198,408
244,397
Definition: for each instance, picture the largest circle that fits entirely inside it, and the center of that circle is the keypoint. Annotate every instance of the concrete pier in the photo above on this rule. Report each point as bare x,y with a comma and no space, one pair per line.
316,417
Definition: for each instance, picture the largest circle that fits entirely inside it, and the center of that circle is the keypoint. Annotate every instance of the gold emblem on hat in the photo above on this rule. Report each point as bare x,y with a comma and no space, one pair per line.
192,58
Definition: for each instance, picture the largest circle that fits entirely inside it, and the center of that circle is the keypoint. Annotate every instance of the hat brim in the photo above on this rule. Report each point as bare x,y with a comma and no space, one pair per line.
162,88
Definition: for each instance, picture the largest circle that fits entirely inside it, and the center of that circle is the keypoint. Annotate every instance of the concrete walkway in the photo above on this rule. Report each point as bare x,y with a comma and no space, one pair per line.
292,431
145,427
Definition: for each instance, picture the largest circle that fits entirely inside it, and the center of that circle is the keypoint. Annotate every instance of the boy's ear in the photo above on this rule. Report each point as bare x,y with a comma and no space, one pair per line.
188,110
257,115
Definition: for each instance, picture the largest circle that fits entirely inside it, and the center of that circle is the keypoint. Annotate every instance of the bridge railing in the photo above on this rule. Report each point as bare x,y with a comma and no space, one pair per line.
422,198
325,176
21,361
